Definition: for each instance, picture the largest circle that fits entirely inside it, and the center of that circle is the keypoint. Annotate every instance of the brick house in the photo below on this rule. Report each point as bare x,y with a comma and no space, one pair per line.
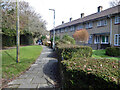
103,27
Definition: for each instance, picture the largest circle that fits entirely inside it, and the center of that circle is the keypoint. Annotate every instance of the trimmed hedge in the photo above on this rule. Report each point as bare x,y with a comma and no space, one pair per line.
8,40
113,51
90,73
11,40
73,51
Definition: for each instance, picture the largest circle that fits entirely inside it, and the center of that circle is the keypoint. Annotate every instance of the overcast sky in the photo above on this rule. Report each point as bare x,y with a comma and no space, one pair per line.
65,9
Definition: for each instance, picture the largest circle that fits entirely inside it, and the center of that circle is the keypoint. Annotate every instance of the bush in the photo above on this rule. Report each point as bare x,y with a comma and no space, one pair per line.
72,51
90,73
113,51
62,41
9,41
69,39
81,35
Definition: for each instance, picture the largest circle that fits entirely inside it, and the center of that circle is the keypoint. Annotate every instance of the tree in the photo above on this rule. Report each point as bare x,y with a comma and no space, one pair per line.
114,3
81,35
29,19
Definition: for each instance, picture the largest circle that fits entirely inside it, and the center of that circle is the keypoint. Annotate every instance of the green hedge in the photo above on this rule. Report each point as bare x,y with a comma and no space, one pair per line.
8,40
113,51
11,40
90,73
73,51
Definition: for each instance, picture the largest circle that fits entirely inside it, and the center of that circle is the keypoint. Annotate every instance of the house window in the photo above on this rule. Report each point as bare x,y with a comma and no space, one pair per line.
117,19
117,40
99,23
72,28
89,25
79,27
97,39
62,30
66,29
105,22
104,40
102,23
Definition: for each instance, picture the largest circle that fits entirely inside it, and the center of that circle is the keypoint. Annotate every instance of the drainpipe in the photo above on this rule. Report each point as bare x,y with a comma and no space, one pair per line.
110,30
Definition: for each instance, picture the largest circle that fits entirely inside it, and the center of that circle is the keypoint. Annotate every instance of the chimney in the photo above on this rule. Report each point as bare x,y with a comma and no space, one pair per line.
82,15
70,19
62,22
100,8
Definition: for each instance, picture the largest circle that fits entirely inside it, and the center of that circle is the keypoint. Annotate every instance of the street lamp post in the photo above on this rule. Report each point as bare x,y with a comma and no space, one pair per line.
53,29
18,31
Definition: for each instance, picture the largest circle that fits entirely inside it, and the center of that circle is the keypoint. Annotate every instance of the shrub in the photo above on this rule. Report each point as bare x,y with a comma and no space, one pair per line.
69,51
69,39
90,73
62,41
81,35
9,41
113,51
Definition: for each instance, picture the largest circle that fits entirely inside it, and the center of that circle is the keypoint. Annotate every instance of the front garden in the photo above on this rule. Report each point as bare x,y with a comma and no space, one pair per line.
82,67
102,54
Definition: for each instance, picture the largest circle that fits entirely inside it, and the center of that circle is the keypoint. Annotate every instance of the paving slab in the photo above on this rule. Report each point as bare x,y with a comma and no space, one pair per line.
28,86
41,74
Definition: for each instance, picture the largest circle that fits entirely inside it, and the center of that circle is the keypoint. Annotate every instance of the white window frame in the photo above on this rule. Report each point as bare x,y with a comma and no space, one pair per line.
66,29
62,30
118,37
105,23
117,19
90,25
58,31
80,27
105,40
72,28
102,23
98,41
99,23
87,25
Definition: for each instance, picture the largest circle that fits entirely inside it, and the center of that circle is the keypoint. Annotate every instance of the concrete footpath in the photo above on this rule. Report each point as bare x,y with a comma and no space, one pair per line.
42,74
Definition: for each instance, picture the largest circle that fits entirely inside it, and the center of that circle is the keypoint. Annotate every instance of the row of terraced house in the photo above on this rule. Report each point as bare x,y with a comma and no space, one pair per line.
103,27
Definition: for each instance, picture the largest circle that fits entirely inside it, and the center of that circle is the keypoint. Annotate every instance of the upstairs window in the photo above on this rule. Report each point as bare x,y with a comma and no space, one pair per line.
102,23
89,25
66,29
79,27
72,28
99,23
117,19
58,31
62,30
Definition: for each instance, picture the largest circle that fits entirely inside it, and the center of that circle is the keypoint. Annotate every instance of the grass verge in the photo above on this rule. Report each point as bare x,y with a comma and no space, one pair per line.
11,69
101,54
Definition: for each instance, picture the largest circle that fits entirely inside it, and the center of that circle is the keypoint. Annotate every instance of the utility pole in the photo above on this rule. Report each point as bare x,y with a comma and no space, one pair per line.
18,32
53,29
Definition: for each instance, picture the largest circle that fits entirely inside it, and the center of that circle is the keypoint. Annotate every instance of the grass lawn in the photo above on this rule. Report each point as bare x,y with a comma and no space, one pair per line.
101,54
10,68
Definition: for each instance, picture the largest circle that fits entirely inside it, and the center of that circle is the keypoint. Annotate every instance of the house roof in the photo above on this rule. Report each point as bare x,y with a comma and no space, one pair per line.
109,11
